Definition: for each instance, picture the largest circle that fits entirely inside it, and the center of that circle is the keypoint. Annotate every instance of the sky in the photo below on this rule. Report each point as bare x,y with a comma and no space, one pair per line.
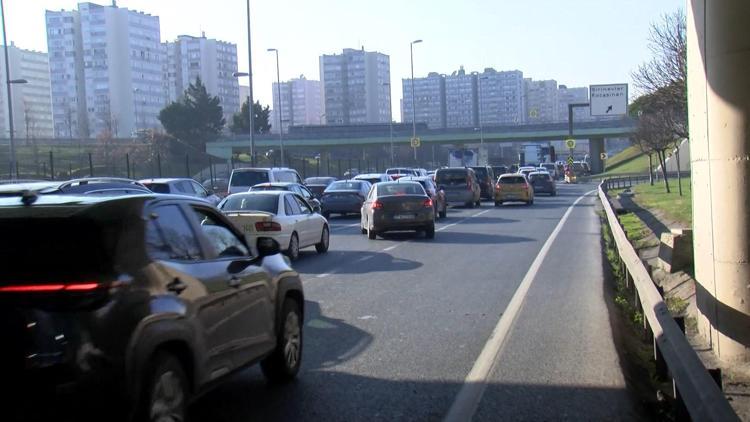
576,42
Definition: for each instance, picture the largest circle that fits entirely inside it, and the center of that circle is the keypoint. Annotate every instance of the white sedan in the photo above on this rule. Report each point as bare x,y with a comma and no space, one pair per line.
281,215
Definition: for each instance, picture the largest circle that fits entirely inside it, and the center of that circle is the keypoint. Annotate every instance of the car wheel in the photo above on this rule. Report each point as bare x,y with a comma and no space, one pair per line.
284,362
293,250
498,203
364,230
166,390
430,231
479,203
327,215
371,234
444,212
325,237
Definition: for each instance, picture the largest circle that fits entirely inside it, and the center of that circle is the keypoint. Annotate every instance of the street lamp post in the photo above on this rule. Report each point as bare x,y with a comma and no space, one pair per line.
9,82
251,123
278,89
390,122
481,126
413,102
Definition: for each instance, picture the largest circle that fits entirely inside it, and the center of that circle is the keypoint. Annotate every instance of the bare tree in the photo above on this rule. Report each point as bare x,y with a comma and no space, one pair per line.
657,138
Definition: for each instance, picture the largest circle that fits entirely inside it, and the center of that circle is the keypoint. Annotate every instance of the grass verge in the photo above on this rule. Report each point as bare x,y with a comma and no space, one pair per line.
674,206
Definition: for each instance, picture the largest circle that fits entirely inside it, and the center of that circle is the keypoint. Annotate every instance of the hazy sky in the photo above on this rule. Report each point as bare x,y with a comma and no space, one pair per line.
576,42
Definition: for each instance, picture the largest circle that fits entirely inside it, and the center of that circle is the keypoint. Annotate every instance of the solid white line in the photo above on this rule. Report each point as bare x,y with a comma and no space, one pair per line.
461,220
475,383
322,275
390,248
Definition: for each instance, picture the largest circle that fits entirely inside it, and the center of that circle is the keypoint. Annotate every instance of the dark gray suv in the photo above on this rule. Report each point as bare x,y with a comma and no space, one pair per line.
132,305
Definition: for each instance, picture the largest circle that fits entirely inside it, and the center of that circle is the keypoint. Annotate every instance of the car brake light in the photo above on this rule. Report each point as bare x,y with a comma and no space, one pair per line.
267,226
468,183
47,288
377,205
498,187
427,203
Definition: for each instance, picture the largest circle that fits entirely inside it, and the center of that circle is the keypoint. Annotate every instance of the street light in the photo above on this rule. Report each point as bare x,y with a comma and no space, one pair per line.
390,121
9,82
413,102
481,128
278,88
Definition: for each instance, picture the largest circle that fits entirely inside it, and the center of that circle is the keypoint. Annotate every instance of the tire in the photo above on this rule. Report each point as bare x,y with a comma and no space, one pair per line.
364,230
293,250
498,203
326,215
444,212
283,364
325,238
371,234
478,203
166,390
429,232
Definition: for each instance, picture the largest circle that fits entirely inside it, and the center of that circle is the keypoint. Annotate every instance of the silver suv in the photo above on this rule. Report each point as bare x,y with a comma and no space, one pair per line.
460,185
243,179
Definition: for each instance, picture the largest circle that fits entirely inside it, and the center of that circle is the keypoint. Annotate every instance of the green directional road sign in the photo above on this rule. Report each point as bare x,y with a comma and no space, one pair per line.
570,143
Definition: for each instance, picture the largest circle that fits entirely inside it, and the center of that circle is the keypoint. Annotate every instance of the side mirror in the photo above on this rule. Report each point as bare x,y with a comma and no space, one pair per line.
268,246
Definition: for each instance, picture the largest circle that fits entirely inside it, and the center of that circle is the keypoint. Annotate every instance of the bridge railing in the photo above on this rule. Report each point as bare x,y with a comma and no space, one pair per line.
696,392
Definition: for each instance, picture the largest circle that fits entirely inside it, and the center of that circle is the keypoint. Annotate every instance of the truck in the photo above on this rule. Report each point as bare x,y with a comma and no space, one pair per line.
530,155
463,157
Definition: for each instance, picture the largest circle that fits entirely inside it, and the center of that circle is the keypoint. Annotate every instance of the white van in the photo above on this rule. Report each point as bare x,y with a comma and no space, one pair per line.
243,179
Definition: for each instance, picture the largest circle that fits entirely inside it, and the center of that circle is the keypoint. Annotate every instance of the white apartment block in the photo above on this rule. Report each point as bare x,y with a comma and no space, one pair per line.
429,98
572,95
541,101
461,99
501,97
214,61
32,105
106,69
301,104
355,87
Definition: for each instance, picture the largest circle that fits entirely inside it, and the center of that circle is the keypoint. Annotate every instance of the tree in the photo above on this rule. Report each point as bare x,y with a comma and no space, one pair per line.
195,119
240,121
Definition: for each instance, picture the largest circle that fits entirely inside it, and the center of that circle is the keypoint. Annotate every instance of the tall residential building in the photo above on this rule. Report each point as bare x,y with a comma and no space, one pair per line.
461,99
501,97
244,93
214,61
567,96
429,97
105,69
301,103
32,106
355,87
541,101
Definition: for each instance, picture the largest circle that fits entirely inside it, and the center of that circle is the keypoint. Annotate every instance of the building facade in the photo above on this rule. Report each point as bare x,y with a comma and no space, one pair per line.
355,87
461,99
32,104
301,103
572,95
213,61
501,97
541,101
106,70
429,99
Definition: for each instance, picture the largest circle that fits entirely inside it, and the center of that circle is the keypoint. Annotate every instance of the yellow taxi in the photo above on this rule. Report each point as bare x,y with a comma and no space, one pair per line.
513,187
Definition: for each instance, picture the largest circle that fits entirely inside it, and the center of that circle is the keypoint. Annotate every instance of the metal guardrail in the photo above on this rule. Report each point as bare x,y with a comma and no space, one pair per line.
694,388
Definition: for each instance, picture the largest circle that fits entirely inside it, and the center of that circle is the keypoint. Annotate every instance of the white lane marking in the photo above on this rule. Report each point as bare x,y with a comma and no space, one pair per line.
390,248
322,275
462,220
467,400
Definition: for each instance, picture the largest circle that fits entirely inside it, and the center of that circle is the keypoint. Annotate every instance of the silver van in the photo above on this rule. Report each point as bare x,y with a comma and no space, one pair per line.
242,179
460,185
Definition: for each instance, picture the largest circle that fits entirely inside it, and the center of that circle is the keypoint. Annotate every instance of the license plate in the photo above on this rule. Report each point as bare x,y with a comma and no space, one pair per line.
512,196
403,217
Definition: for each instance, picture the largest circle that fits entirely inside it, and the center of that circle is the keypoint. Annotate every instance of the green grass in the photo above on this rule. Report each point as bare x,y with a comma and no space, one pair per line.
637,232
673,206
636,164
625,155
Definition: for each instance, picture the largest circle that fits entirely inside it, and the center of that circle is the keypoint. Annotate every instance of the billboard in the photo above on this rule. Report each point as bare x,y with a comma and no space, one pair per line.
609,100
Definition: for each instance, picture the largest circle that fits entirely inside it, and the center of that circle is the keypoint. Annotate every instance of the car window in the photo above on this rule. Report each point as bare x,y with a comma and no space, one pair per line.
158,187
223,242
344,186
305,192
304,208
400,189
287,176
199,190
251,202
249,177
183,186
451,177
169,236
290,205
511,180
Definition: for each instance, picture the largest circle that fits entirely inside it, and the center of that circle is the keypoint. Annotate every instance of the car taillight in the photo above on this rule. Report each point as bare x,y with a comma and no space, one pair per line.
267,226
468,184
498,187
427,203
377,205
51,287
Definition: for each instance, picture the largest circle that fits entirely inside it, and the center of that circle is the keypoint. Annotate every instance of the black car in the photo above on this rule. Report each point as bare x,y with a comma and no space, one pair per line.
131,305
318,184
91,186
486,178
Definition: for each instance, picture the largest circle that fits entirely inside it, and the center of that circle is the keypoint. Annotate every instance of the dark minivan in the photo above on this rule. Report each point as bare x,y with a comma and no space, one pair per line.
129,306
486,179
460,186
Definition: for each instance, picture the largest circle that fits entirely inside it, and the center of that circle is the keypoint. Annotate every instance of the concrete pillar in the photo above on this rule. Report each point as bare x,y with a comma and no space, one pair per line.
596,148
719,113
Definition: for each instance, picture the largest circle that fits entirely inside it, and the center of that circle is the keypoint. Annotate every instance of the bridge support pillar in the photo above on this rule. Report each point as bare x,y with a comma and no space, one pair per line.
596,148
718,46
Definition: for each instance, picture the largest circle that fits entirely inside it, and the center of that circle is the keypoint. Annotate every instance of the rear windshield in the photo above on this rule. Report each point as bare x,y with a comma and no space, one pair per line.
385,189
480,171
451,177
266,203
372,180
400,171
512,180
336,186
249,178
158,187
318,180
271,187
535,177
82,250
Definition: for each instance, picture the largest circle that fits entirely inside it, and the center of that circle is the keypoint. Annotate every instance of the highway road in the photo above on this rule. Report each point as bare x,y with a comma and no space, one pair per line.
503,316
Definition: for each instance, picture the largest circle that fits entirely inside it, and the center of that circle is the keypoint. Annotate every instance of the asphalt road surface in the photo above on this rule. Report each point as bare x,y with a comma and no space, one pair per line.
502,316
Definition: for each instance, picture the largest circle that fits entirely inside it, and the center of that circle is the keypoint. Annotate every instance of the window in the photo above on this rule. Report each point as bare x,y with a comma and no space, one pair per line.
184,187
304,208
223,241
199,190
169,236
291,206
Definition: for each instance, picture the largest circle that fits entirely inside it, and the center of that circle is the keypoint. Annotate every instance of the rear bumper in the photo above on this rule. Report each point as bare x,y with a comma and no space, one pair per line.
341,206
511,197
385,221
459,197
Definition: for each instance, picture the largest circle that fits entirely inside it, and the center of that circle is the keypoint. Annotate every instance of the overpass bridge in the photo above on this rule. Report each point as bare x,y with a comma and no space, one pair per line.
328,136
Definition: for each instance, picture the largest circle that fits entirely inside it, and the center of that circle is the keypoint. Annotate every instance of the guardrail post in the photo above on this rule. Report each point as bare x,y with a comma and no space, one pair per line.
680,411
627,279
660,364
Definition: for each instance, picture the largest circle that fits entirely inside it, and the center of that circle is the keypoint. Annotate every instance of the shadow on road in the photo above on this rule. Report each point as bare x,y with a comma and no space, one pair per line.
453,237
356,262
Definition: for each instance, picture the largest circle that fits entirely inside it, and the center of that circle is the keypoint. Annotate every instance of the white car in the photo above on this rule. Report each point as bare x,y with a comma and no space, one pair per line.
281,215
374,177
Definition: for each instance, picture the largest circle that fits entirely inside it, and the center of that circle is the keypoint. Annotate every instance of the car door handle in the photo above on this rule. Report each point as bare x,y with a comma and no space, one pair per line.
176,285
234,282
